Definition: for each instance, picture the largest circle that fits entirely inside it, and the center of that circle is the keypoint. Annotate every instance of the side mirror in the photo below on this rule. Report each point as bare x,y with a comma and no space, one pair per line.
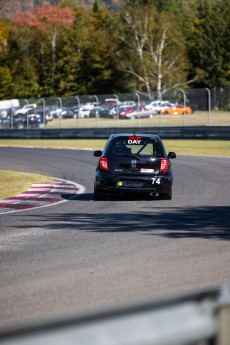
171,155
97,153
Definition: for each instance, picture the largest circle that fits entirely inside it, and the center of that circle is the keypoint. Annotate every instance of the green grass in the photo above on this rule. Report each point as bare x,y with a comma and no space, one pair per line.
13,183
199,147
198,118
194,147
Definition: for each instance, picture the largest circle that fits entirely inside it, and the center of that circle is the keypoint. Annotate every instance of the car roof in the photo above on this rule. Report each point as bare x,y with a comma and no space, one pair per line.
150,136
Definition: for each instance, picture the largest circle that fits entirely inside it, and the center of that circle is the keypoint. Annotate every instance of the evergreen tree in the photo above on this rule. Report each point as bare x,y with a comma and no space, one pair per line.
160,5
137,3
95,7
209,44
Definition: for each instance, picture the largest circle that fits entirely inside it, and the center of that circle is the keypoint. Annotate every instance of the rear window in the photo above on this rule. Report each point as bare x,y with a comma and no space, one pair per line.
135,145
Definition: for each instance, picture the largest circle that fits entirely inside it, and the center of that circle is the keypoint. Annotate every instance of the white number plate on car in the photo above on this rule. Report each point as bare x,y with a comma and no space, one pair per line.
147,170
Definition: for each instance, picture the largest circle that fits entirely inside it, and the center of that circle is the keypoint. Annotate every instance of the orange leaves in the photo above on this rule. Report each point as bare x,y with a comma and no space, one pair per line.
3,36
45,17
27,19
50,15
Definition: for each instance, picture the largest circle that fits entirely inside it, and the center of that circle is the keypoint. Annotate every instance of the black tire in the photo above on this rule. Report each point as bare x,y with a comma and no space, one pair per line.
165,196
99,194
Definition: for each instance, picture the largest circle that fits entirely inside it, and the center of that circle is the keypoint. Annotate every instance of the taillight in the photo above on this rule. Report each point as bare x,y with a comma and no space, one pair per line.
164,165
104,163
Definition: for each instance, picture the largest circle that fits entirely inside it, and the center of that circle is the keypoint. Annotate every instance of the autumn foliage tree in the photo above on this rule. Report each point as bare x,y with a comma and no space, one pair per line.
5,73
48,20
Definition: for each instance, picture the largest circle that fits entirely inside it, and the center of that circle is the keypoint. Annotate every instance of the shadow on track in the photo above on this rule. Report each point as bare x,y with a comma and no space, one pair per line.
171,222
113,197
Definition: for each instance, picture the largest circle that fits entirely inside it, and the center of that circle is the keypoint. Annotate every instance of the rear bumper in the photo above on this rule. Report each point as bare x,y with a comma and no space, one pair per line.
134,184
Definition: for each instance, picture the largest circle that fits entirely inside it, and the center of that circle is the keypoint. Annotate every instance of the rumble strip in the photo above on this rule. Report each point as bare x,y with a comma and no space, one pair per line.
41,195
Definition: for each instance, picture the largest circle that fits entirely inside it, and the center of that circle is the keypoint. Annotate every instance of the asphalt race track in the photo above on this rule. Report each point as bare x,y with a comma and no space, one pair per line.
80,256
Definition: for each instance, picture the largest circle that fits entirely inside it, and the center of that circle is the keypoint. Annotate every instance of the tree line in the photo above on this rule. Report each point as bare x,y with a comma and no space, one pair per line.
62,48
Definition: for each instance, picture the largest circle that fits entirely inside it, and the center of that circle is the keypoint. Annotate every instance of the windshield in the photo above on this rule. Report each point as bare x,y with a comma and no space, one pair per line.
135,145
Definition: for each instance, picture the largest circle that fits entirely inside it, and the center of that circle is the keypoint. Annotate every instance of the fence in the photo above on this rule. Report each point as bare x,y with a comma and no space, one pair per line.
201,318
209,107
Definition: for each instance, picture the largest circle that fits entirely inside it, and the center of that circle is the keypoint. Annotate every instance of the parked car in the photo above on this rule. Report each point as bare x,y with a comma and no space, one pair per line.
29,121
64,112
68,112
136,112
27,109
44,112
133,163
101,111
94,112
4,122
118,111
158,106
7,112
177,109
55,111
84,110
22,121
129,112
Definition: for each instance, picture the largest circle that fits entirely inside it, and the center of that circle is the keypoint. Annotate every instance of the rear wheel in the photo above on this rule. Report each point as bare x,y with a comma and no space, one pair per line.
165,196
99,194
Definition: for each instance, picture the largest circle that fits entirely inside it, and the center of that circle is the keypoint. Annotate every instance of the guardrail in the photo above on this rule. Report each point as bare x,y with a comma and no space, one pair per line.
196,132
200,318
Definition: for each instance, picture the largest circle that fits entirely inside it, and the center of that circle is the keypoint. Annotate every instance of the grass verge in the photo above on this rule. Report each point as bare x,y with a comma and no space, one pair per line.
13,183
194,147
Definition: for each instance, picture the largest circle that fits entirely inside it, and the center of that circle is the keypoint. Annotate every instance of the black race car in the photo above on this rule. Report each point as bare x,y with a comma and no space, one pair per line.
134,163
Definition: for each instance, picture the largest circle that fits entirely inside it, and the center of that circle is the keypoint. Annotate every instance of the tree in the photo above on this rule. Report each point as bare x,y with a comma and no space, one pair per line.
137,3
155,49
5,82
95,7
21,61
4,31
48,20
160,5
209,43
99,71
70,53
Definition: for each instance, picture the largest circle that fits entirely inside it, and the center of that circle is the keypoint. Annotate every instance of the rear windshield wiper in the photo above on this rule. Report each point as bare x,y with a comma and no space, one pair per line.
127,155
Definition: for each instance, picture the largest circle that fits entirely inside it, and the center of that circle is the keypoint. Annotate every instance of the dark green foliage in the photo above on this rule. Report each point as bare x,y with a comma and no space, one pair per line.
138,3
6,82
161,5
95,7
210,43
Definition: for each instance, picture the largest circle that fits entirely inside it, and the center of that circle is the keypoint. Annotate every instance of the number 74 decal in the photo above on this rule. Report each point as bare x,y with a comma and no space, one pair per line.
155,180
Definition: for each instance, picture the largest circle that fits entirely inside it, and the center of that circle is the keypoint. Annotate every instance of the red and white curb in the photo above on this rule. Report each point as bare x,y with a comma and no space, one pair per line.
41,195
